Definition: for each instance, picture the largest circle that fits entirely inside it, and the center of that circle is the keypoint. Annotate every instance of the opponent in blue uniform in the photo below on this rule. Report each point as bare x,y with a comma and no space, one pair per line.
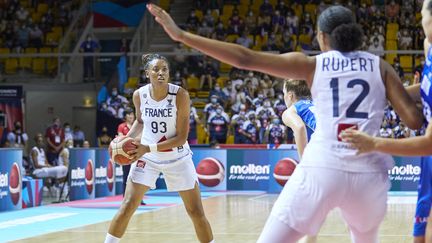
299,115
421,145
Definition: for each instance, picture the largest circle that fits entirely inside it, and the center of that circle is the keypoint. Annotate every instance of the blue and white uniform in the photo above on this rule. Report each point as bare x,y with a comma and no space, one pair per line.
160,124
347,91
305,111
424,199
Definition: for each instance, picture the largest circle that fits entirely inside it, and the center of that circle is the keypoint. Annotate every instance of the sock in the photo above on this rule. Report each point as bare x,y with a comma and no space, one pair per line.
212,241
111,239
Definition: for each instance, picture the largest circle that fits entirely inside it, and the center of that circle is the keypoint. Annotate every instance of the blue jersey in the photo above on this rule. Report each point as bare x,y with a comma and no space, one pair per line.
304,110
424,199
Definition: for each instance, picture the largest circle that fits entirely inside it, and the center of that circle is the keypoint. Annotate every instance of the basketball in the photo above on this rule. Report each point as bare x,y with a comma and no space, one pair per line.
284,169
110,175
210,172
118,150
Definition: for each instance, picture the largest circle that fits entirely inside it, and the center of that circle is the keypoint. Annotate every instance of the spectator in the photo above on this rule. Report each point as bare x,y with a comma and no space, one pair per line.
272,44
392,11
264,114
17,137
209,19
250,89
211,107
205,30
281,7
275,133
240,98
193,121
250,129
266,85
379,36
220,31
264,24
129,118
292,22
399,70
63,16
217,91
23,36
124,48
55,138
386,131
376,48
278,22
235,23
245,40
279,105
67,131
192,21
266,8
78,136
259,100
251,21
217,125
22,14
208,74
237,122
89,46
418,70
179,79
115,100
405,40
36,36
288,44
104,139
43,168
305,39
86,144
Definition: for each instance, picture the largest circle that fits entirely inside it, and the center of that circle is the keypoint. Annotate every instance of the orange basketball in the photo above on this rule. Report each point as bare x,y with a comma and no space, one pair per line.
118,150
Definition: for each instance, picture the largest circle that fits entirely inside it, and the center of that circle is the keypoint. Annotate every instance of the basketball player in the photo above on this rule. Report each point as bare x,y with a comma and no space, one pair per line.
299,115
349,89
162,111
421,145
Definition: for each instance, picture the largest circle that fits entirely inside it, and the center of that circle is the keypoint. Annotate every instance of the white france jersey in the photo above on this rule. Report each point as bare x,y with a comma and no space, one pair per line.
160,123
347,90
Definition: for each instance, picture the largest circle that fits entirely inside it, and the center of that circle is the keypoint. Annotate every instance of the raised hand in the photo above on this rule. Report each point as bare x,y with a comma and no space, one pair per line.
360,140
164,19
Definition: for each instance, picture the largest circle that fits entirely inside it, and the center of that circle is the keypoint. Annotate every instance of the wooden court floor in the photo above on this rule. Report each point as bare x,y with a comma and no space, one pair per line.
234,218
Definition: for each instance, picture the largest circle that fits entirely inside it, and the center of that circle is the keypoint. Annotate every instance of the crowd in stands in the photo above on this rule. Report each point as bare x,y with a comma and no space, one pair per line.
32,27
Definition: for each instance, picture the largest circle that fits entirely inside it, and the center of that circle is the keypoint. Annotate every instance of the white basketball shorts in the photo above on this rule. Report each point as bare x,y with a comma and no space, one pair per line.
179,175
312,192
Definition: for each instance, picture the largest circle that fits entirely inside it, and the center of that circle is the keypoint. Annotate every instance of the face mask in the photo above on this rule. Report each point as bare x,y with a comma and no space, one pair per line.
280,97
104,107
114,93
70,146
242,113
261,96
276,121
67,129
267,104
251,75
218,111
89,39
217,88
213,100
422,63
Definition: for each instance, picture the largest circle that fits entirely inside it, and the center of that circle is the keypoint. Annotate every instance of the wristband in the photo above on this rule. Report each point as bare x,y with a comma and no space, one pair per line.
153,148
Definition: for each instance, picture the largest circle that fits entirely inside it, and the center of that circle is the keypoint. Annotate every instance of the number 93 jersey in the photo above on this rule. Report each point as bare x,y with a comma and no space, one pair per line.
347,91
160,123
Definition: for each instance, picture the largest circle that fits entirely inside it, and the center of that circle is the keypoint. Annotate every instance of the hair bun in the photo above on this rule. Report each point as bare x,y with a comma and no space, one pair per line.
346,37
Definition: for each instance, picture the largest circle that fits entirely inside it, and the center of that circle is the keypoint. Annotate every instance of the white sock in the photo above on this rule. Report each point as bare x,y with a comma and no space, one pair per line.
212,241
111,239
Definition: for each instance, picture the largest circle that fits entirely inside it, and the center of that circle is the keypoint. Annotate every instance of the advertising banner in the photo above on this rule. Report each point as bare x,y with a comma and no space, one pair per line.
82,173
210,165
118,179
105,174
405,174
31,192
10,179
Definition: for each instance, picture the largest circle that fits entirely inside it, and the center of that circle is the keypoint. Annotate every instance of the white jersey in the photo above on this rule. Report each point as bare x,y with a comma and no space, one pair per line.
160,123
40,156
347,90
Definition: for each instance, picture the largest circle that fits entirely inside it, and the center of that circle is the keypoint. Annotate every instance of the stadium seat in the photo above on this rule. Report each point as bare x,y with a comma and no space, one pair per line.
45,50
406,62
52,64
165,4
230,139
231,38
131,83
311,9
243,10
58,30
193,83
221,81
192,94
390,58
42,8
36,17
25,62
51,36
30,50
38,65
203,94
4,51
391,35
199,104
391,45
11,66
393,26
227,10
224,68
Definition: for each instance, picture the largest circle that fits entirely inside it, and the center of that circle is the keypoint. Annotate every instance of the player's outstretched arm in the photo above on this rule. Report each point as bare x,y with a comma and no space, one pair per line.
294,121
293,65
399,98
413,146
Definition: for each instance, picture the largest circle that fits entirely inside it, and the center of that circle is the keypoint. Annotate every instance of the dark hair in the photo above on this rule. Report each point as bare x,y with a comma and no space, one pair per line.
147,58
127,111
339,23
299,87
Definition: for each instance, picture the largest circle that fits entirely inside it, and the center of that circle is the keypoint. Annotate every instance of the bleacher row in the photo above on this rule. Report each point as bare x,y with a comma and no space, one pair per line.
37,65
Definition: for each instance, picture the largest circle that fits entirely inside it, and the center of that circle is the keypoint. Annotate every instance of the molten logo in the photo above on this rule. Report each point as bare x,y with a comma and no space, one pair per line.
405,170
77,174
4,180
250,169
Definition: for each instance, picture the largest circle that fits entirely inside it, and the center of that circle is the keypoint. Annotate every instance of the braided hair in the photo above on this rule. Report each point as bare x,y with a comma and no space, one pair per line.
147,58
